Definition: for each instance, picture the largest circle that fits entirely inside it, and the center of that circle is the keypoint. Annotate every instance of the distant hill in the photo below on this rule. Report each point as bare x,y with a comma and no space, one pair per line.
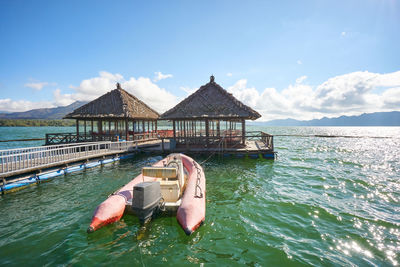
370,119
44,113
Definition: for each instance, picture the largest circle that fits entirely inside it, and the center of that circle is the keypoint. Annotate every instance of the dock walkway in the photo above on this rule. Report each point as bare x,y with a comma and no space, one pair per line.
32,159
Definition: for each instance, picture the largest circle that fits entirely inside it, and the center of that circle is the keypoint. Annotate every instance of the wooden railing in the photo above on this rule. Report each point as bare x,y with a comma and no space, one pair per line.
33,158
229,139
267,139
68,138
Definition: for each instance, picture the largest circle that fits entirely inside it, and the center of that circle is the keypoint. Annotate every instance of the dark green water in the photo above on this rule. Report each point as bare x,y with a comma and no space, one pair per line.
324,201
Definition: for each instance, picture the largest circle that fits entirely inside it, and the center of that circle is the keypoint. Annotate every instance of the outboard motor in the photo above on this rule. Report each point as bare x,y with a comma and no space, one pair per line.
146,200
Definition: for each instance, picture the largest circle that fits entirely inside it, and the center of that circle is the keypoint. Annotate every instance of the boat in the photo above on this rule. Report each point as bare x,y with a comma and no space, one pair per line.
174,184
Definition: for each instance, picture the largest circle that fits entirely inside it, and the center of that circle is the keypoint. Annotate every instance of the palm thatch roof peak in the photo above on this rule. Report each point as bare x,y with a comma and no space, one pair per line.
211,101
117,103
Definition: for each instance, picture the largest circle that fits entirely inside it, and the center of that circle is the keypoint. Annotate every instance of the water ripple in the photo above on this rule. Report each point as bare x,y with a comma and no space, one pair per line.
324,201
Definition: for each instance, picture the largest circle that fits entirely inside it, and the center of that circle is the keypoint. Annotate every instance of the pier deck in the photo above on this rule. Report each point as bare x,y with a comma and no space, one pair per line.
252,147
34,159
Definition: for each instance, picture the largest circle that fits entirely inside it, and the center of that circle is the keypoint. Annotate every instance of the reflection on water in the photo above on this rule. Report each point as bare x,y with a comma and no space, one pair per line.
324,201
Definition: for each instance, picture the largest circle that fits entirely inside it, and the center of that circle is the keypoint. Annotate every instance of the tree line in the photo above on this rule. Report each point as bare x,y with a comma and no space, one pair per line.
35,123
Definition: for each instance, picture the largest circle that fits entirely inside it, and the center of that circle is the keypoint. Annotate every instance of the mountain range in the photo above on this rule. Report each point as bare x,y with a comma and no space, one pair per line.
44,113
366,119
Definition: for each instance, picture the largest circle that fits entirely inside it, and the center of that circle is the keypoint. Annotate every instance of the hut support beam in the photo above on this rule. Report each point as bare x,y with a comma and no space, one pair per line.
77,128
174,129
126,130
84,123
243,131
207,132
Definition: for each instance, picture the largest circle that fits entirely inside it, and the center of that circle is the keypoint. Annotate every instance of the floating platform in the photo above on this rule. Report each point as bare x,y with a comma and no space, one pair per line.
252,149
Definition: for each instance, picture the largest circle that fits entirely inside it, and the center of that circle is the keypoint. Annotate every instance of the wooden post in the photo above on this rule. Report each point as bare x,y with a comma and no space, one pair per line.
77,130
133,129
100,129
143,129
207,133
126,129
174,129
84,123
243,131
156,126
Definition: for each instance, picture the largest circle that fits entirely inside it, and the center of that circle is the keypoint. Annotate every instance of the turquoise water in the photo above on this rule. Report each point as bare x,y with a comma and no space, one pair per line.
18,133
324,201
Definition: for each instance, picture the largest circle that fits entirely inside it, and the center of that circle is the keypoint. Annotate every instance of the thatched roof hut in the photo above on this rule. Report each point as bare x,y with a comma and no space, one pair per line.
213,102
210,116
117,103
115,114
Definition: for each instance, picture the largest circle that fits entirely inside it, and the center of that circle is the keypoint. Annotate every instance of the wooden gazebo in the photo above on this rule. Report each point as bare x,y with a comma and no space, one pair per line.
114,116
210,117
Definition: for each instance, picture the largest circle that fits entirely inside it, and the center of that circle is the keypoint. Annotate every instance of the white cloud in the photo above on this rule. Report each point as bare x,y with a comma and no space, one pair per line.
229,74
301,79
343,34
159,76
89,89
143,88
299,62
9,105
349,94
156,97
63,99
36,85
94,87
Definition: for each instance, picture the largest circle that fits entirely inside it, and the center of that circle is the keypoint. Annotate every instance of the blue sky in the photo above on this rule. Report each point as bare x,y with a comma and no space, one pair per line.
302,59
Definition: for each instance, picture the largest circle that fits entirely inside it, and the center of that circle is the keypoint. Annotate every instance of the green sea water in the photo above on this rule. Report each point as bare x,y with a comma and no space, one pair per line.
323,201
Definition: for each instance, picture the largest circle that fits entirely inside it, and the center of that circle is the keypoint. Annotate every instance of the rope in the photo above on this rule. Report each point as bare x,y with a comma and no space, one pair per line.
161,204
198,182
212,154
116,193
37,178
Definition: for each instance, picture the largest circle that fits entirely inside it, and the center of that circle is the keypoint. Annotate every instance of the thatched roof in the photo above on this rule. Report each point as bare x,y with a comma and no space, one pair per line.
117,103
211,101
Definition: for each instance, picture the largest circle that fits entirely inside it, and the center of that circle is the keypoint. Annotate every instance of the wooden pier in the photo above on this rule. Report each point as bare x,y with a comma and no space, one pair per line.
34,159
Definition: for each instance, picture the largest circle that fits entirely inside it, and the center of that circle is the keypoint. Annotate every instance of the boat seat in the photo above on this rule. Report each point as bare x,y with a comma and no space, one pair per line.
170,190
167,173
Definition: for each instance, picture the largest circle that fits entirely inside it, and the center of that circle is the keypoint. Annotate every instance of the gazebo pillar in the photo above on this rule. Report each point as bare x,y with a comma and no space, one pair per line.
207,132
174,129
84,123
243,131
77,128
126,130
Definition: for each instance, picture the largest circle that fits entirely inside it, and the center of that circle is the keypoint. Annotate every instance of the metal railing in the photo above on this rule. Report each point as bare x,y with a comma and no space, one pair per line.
32,158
